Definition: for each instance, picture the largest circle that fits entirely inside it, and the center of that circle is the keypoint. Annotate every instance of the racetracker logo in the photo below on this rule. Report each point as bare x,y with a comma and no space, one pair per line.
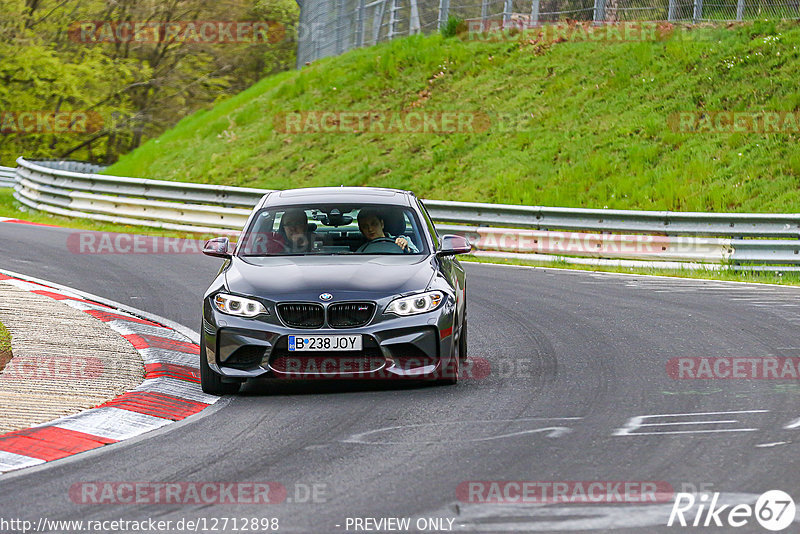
523,28
711,122
378,122
736,368
607,245
177,493
774,510
50,122
117,243
563,492
192,32
357,367
53,368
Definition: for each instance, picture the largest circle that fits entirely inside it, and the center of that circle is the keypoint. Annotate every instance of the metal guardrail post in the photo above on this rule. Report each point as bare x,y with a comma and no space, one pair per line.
340,18
508,8
392,20
698,10
444,12
377,20
740,10
599,11
484,10
671,10
413,19
534,12
360,24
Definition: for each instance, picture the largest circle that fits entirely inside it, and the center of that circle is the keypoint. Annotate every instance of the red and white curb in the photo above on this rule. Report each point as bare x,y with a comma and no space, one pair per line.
170,390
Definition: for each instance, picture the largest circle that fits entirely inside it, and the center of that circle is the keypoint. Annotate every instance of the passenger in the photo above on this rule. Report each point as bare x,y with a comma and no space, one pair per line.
371,224
295,232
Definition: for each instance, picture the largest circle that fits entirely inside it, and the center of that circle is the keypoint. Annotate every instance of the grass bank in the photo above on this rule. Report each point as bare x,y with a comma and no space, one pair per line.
577,123
5,346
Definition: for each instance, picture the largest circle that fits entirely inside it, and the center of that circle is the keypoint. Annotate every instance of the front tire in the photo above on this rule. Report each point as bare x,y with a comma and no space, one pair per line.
211,382
462,341
450,371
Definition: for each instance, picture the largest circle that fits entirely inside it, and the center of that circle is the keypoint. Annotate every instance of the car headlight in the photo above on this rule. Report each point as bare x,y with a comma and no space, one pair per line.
233,305
424,302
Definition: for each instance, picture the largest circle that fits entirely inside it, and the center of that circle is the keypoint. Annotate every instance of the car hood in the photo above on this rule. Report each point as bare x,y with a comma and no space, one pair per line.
306,277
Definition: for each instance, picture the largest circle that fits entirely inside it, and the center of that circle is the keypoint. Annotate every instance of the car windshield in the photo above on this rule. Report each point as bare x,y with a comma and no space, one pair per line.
333,230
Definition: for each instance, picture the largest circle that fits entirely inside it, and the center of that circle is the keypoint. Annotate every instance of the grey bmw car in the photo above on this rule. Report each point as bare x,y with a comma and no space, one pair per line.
344,282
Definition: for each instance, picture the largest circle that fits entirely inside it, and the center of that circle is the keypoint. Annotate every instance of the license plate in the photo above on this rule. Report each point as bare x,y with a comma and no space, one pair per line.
324,343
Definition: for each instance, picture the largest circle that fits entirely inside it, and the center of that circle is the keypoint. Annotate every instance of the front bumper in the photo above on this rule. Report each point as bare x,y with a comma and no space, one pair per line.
415,347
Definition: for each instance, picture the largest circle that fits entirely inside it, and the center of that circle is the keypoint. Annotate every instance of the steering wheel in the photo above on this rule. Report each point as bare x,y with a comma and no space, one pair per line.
288,246
382,245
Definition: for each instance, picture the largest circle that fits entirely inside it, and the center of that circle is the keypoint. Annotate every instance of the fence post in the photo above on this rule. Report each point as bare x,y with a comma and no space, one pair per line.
413,20
484,10
671,11
740,10
339,25
599,11
698,10
392,20
534,12
377,21
507,9
360,24
444,12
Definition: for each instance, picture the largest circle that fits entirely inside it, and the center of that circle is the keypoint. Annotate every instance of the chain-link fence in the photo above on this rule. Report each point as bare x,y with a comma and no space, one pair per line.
331,27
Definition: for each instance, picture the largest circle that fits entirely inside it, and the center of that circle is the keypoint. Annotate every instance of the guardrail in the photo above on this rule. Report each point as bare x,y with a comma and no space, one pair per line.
7,177
712,239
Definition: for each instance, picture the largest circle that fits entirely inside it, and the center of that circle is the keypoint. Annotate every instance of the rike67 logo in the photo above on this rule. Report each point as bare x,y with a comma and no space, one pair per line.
774,510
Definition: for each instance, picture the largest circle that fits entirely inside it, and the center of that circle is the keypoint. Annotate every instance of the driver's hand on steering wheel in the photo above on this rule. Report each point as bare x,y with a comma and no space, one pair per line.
401,242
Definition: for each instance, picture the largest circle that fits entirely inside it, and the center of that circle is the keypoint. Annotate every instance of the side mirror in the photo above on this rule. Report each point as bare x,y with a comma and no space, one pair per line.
219,247
453,244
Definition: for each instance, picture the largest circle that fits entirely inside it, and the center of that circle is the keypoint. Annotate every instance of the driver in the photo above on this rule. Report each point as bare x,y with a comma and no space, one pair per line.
294,229
371,224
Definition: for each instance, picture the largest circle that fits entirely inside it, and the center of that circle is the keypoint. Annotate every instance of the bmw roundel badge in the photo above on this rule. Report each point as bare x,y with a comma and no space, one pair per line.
325,296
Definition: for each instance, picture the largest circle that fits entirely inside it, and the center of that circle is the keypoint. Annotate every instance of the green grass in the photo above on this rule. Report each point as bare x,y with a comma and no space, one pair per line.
5,339
586,123
5,346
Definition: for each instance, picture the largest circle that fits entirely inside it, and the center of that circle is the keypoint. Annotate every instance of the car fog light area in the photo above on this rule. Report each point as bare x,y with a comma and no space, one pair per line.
233,305
415,304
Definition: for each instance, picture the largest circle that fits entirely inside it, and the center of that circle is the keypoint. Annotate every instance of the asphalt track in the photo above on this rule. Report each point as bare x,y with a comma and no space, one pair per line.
573,356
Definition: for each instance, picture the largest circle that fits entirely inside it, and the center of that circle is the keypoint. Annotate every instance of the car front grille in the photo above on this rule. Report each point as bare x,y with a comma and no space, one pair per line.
302,315
350,314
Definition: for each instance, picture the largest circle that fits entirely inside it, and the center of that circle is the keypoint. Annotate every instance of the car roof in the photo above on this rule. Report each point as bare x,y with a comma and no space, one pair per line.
367,195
